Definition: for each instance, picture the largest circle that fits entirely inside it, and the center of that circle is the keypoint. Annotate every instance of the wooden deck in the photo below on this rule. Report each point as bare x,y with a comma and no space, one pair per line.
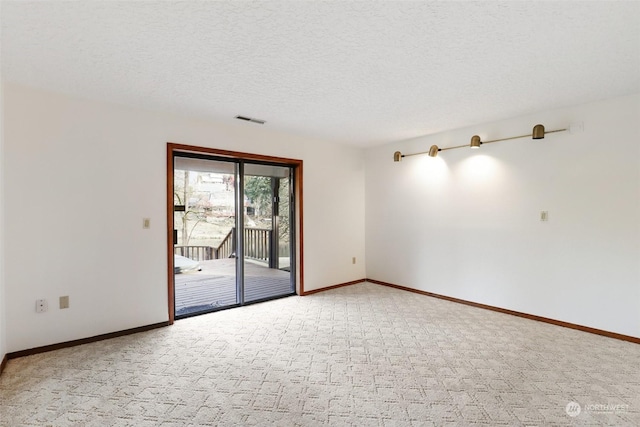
215,285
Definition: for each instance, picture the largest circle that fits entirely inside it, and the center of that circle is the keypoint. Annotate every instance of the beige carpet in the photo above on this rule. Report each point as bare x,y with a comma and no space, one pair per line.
359,355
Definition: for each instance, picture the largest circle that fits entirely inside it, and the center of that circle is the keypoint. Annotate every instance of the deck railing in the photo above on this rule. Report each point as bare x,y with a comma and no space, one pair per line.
227,247
257,242
197,253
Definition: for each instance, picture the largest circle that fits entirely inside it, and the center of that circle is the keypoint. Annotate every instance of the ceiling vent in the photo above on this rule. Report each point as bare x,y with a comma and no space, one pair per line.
249,119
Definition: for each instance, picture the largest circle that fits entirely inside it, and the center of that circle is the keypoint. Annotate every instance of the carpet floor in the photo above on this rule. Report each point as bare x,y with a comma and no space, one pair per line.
358,355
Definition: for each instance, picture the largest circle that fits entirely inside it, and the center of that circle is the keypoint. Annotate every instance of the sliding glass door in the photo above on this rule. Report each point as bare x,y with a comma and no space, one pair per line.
267,231
204,235
233,233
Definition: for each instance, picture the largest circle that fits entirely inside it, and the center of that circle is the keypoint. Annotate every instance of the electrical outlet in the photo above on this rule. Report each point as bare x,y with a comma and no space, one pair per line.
146,223
64,302
353,260
544,216
41,305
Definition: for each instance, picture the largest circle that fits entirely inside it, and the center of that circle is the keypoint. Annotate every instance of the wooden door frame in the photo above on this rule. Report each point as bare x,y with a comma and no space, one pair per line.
173,148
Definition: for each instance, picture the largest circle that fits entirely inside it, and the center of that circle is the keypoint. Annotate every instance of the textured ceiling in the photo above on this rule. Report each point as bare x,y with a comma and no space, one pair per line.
363,73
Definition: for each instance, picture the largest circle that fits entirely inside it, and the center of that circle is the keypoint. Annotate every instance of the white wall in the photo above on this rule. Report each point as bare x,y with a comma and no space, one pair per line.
81,176
466,224
3,331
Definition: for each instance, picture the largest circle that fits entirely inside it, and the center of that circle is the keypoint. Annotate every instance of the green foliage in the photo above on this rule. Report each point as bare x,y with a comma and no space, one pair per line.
258,191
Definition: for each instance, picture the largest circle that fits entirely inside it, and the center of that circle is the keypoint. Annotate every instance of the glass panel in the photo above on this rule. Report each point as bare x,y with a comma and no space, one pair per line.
267,232
285,237
205,224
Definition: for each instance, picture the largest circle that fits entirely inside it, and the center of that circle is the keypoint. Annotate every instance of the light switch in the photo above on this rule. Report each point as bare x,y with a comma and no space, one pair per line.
146,223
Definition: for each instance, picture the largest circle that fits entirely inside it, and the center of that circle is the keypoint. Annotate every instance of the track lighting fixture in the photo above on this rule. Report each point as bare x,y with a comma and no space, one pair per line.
538,132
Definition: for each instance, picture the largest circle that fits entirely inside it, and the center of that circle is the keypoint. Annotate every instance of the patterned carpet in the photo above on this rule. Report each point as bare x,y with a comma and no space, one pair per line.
358,355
